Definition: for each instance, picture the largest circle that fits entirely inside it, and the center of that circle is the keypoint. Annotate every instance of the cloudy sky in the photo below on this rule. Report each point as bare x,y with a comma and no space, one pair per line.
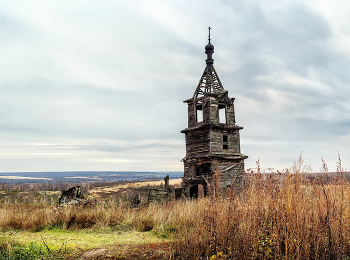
99,85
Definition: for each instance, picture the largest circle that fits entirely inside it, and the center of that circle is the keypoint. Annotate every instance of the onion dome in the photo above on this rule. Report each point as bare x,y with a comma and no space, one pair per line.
209,48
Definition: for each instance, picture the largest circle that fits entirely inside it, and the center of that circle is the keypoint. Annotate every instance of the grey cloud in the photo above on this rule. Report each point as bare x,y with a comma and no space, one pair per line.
329,127
116,149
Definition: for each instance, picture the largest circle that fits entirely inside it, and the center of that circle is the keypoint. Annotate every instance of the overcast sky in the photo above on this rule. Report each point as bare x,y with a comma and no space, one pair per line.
99,85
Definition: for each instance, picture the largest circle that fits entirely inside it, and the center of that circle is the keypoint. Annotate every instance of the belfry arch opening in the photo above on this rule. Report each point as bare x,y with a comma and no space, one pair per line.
199,113
222,114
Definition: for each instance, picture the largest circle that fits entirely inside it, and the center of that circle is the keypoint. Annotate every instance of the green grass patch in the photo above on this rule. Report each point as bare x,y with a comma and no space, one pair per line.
165,232
30,244
11,250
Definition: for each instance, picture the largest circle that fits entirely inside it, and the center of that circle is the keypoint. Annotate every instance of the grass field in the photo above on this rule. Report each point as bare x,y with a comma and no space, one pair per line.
34,228
276,216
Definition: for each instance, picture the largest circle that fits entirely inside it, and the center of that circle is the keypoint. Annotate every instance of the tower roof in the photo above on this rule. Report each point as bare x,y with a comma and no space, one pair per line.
209,82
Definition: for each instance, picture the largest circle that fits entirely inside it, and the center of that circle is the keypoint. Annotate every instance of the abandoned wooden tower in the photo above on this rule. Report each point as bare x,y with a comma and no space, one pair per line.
212,136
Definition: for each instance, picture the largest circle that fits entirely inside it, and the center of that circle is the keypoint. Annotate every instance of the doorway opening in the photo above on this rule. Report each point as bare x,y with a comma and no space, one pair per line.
194,192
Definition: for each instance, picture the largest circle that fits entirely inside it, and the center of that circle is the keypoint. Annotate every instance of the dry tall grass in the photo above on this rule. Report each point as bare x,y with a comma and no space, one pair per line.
288,216
275,216
273,219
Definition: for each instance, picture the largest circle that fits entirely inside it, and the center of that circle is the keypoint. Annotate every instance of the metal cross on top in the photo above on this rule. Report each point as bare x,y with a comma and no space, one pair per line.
209,34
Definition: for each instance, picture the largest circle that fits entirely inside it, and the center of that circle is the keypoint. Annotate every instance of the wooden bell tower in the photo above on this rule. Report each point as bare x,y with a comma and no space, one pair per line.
212,136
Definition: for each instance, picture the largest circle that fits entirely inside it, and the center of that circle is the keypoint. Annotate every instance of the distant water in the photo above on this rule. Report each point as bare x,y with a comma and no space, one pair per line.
83,176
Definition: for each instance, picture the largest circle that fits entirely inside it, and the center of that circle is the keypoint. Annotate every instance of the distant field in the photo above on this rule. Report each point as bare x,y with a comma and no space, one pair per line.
82,176
128,189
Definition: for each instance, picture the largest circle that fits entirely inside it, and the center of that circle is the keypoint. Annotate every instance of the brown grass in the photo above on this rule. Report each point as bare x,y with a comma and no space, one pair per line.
272,220
275,216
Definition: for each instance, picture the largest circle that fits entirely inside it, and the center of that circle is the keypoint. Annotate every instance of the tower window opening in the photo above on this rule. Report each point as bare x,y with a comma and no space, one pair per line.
225,138
222,114
199,110
225,146
197,171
